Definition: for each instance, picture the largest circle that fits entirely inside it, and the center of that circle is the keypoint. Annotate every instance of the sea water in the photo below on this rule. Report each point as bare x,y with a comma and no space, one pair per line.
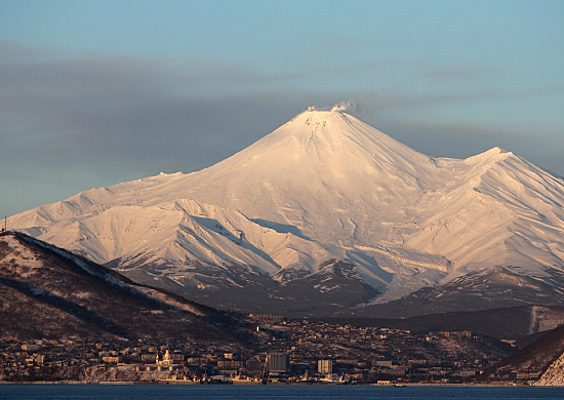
286,392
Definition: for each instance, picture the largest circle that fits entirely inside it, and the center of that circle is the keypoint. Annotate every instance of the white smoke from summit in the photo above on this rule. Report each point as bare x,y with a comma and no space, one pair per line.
343,106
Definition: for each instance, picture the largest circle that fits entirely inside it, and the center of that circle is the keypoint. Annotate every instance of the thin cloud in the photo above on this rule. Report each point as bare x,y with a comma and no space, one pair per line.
400,99
121,118
455,74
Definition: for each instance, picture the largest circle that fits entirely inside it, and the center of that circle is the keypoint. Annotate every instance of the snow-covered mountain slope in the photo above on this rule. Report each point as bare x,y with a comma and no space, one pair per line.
499,210
324,186
554,374
203,246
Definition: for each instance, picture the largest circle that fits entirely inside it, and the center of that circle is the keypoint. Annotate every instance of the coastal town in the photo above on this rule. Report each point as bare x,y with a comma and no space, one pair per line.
290,351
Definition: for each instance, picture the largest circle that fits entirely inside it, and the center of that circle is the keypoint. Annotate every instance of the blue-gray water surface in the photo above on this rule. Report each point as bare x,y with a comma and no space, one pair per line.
197,392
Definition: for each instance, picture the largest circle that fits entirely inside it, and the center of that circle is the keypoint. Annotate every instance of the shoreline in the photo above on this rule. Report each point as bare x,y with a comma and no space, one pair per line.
182,383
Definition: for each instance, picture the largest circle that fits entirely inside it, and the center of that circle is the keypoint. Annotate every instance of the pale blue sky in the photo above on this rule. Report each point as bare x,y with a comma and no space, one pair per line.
97,92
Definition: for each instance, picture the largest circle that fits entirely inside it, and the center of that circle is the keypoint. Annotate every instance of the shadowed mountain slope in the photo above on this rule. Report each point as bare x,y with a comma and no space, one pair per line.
47,292
537,356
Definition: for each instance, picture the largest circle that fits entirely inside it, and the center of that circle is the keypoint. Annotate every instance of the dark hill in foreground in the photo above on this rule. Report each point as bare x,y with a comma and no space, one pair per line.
47,292
534,359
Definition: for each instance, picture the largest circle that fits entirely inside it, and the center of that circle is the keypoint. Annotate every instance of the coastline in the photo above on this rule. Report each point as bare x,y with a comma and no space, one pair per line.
277,384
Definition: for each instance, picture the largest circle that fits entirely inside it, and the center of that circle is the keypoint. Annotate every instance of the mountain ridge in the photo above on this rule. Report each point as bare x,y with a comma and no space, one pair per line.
323,186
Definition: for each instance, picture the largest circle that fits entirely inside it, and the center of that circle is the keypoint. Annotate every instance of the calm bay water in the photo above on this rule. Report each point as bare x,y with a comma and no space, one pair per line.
197,392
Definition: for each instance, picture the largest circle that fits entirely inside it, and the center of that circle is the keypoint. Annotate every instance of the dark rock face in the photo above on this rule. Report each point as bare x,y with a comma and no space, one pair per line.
47,292
337,290
336,287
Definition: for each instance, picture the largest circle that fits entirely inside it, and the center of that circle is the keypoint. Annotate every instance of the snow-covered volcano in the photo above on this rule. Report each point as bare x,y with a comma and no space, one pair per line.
323,191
